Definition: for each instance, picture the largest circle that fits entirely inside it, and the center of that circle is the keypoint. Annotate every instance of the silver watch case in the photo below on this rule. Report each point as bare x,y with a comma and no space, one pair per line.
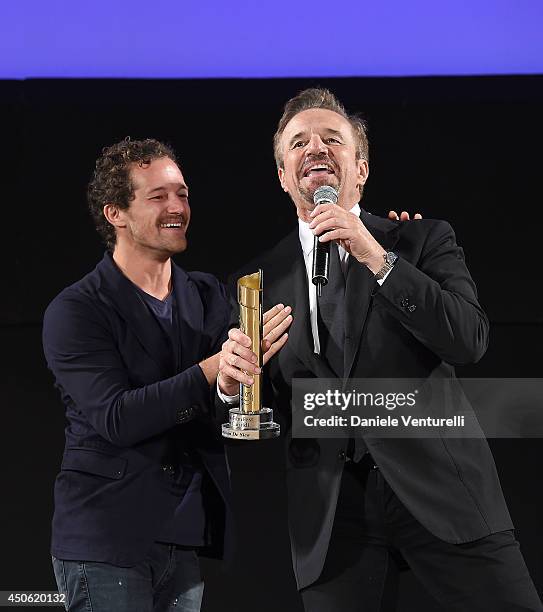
390,259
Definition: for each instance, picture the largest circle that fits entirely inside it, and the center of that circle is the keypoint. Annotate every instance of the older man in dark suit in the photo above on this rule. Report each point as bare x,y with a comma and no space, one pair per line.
400,304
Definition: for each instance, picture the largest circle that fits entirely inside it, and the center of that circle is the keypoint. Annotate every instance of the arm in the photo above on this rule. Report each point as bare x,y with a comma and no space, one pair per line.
437,300
84,357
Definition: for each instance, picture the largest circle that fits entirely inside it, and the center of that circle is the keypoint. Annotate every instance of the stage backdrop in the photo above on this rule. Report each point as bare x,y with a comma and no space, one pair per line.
467,150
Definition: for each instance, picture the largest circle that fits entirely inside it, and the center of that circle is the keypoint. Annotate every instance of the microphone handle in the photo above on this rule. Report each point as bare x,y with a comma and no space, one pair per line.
321,263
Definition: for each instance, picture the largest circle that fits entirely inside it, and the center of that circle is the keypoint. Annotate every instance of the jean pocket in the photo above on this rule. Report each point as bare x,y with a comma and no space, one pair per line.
60,577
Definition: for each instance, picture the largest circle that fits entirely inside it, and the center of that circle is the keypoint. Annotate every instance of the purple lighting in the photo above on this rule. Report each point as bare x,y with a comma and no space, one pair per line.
176,38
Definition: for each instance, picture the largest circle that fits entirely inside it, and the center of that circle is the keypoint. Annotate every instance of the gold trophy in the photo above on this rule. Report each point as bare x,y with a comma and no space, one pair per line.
251,421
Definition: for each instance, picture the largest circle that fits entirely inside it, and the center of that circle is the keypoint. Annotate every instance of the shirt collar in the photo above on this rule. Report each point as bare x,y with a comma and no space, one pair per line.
307,236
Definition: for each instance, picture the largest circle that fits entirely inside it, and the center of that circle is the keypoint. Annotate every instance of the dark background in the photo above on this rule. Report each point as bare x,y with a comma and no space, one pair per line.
463,149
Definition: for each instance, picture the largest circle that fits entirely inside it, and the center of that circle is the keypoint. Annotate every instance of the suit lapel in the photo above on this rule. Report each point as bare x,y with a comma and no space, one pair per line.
190,319
290,286
125,299
360,285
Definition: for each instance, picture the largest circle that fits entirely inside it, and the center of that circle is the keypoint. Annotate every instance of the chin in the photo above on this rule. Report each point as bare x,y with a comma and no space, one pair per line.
181,247
310,187
174,248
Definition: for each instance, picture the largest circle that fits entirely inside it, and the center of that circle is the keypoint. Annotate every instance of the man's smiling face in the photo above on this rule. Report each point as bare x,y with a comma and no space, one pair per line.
158,217
318,148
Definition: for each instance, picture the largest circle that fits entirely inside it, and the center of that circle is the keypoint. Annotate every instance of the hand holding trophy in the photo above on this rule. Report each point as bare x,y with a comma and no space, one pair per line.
252,421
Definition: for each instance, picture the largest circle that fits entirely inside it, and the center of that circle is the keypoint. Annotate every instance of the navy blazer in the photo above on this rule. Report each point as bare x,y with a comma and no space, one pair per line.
121,392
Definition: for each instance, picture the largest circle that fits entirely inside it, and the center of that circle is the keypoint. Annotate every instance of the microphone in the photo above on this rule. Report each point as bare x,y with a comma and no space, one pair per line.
321,250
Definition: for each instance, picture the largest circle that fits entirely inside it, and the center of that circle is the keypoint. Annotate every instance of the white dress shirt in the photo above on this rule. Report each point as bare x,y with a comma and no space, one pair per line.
307,241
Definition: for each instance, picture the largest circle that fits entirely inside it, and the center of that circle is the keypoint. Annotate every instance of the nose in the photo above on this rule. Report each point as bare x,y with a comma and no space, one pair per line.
178,205
316,146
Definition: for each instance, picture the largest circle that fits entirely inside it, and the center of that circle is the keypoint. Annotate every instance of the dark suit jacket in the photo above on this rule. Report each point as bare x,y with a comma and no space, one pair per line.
423,320
121,391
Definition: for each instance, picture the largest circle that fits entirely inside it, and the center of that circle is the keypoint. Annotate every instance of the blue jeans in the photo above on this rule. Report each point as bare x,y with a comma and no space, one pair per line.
168,579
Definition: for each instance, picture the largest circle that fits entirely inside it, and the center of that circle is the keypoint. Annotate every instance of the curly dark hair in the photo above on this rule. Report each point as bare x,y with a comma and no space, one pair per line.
111,182
320,98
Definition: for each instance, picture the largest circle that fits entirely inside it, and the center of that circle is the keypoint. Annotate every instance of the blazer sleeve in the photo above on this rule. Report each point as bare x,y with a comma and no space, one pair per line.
83,355
220,408
436,300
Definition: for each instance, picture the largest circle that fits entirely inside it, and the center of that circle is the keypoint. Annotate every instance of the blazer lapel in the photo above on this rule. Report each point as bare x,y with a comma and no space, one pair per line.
289,285
360,285
190,319
125,299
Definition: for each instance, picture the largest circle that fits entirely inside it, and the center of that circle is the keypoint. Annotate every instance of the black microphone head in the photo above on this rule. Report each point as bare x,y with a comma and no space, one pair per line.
325,194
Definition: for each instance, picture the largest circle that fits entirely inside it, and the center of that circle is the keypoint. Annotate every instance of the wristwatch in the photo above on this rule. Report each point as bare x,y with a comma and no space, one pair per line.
390,259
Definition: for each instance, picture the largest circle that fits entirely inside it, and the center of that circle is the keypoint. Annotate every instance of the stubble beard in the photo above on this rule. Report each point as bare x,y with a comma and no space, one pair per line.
163,247
308,193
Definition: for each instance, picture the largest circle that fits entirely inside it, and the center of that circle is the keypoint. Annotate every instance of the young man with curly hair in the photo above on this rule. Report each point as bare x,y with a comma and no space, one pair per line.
134,348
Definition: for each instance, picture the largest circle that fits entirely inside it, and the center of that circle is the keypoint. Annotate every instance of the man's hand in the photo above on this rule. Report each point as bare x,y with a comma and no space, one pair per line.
404,216
236,360
331,222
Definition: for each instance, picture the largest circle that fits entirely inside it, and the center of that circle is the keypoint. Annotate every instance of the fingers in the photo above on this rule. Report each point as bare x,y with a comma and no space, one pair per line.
236,335
277,324
274,348
275,334
322,208
274,310
404,216
340,234
229,374
320,226
322,213
237,354
237,362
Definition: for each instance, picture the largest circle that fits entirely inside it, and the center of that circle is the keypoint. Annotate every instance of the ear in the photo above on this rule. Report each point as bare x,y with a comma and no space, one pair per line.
114,215
281,175
363,172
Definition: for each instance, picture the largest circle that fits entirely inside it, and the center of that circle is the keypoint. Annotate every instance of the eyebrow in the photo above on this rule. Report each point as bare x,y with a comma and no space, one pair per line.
328,132
182,187
334,132
295,137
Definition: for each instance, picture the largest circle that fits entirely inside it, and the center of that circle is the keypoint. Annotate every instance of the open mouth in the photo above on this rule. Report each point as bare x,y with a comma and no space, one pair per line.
318,170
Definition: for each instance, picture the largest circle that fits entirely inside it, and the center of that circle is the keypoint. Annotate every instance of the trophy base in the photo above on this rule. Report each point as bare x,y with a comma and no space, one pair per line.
250,425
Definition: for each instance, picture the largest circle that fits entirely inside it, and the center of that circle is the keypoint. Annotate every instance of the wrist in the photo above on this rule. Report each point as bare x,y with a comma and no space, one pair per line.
210,368
389,260
227,389
376,259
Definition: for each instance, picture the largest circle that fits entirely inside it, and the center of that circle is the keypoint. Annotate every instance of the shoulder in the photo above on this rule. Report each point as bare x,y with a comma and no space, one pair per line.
425,230
79,304
276,260
418,233
414,227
